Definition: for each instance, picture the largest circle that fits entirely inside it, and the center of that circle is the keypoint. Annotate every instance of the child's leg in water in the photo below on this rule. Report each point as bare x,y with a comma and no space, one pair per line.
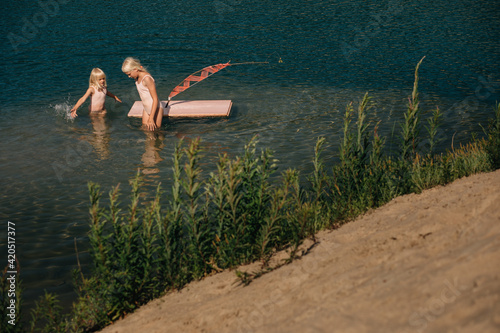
158,117
145,117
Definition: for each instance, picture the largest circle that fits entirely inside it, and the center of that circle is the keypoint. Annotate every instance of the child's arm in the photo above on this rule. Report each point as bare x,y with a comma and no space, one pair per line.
80,102
110,94
150,84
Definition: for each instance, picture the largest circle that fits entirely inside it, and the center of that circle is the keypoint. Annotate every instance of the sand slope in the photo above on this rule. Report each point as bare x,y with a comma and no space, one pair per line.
422,263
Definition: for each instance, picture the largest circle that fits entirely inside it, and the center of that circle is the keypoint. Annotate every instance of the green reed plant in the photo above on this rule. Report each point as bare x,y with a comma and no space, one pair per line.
150,282
198,233
319,177
89,310
410,128
469,159
173,254
232,228
124,251
99,255
493,138
304,222
362,140
347,144
356,142
294,196
125,267
47,316
352,180
269,236
241,194
432,129
225,192
256,190
427,172
377,146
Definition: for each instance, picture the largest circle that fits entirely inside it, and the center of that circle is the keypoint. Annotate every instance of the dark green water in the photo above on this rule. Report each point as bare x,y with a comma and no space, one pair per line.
332,52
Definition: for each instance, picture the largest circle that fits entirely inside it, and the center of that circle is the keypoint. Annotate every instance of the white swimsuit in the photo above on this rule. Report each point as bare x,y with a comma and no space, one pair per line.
146,98
97,99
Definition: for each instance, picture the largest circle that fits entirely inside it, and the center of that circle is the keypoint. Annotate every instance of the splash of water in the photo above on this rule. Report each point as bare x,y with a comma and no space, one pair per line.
63,109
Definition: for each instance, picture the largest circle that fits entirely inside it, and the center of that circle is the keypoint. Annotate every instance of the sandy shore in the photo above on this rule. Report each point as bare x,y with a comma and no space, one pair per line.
422,263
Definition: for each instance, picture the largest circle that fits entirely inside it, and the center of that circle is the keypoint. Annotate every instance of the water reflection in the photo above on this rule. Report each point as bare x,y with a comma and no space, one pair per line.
155,141
100,138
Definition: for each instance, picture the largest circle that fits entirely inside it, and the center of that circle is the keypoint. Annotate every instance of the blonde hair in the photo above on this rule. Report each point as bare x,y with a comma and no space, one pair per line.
95,75
130,63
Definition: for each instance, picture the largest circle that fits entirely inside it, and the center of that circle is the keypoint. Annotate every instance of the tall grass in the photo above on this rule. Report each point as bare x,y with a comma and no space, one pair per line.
410,129
235,215
493,138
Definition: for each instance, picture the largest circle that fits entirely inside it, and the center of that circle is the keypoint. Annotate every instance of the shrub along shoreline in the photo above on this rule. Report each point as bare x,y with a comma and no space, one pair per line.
237,216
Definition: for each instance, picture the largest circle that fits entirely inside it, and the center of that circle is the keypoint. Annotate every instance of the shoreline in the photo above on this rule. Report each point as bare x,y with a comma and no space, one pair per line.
421,263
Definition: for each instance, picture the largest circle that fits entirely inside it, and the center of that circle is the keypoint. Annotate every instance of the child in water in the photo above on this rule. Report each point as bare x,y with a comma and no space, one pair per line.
97,92
152,113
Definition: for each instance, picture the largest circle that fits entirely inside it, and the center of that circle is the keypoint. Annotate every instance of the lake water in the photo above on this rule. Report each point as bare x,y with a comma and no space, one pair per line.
332,52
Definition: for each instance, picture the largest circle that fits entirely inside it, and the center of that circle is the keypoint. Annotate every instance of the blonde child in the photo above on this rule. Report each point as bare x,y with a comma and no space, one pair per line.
152,113
97,92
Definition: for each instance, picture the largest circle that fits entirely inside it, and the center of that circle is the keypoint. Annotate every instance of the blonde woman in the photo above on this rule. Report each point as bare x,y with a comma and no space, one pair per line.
97,92
152,113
